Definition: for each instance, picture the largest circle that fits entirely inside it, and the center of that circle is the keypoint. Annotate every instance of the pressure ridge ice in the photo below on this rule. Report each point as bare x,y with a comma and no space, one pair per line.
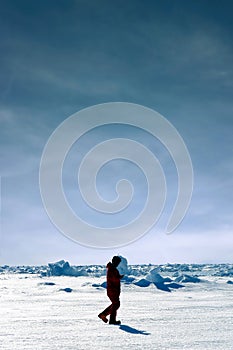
165,277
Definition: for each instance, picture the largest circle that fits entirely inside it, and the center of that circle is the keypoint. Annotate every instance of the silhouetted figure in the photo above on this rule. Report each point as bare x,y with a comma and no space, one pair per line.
113,291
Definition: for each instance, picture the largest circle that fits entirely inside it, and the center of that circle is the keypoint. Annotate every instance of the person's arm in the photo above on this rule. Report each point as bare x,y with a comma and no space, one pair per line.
117,276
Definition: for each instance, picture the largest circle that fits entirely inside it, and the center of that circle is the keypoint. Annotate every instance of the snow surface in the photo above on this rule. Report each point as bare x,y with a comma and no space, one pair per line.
164,307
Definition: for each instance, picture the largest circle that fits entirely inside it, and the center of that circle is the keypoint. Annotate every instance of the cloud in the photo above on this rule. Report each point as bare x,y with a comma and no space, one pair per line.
22,141
175,59
90,63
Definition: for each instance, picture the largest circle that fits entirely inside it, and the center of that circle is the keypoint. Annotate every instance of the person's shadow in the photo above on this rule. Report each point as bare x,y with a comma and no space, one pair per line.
132,330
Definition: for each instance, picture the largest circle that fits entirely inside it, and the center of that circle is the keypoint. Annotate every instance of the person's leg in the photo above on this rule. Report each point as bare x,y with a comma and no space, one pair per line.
103,315
113,311
107,311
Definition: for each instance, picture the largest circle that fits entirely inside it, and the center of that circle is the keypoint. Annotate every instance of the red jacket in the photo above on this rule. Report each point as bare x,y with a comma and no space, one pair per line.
113,279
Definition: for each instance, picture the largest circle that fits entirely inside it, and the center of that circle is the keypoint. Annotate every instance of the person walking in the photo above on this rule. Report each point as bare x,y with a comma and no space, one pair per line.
113,291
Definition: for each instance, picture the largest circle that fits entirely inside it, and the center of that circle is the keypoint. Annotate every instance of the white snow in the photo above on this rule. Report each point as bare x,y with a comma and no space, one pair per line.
60,312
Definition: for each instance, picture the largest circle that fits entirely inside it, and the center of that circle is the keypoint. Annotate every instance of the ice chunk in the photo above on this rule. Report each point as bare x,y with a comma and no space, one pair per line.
142,283
98,285
67,290
128,279
46,284
63,268
154,276
123,266
187,279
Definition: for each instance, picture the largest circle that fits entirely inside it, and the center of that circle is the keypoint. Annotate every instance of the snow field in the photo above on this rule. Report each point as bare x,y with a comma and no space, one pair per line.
37,316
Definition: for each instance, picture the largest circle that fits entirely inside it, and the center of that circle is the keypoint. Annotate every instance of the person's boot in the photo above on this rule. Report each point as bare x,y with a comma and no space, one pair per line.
103,318
114,322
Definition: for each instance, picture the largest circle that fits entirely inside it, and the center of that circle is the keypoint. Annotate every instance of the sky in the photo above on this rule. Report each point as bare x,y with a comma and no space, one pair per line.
59,57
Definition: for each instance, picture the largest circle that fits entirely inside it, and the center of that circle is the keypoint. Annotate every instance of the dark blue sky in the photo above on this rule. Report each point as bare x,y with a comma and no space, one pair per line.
58,57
